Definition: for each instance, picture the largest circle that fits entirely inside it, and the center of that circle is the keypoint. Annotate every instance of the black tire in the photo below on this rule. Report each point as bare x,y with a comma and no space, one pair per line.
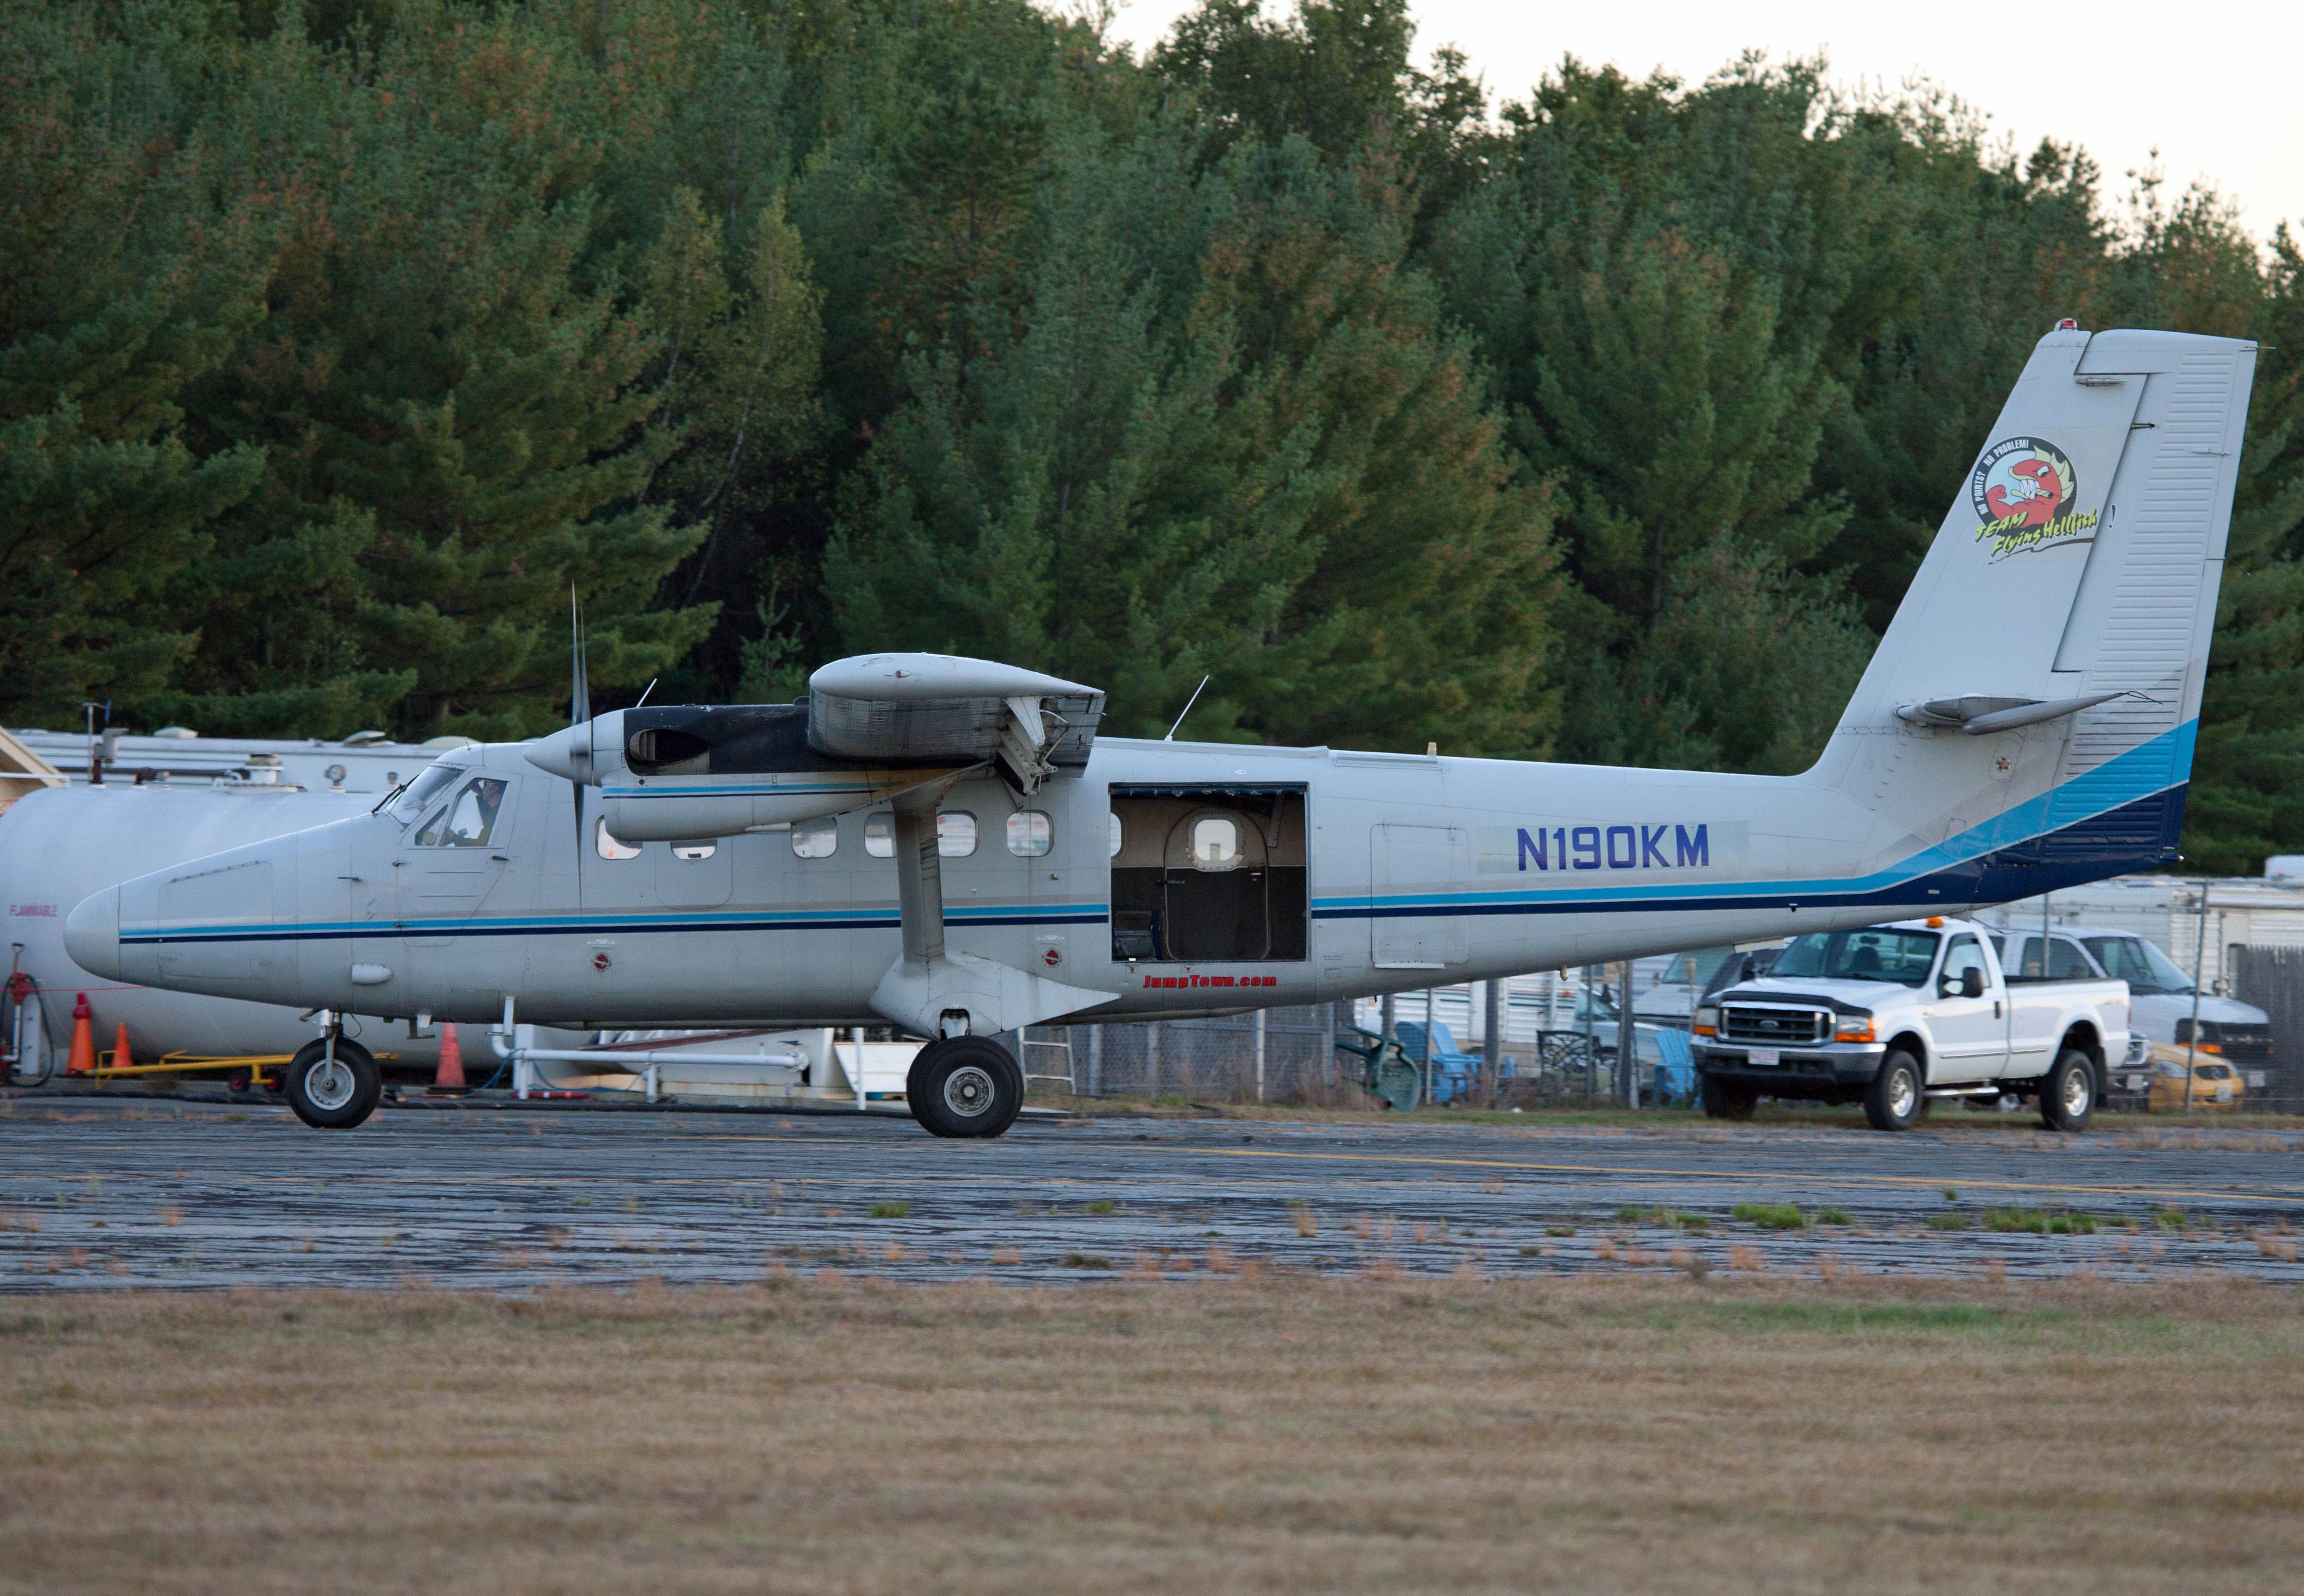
325,1101
964,1086
1896,1098
2068,1093
1725,1099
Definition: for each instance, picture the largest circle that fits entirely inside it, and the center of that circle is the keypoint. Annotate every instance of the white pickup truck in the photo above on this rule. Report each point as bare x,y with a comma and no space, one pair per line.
1893,1015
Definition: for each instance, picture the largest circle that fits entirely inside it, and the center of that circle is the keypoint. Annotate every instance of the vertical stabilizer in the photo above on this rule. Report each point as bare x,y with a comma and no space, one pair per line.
2031,709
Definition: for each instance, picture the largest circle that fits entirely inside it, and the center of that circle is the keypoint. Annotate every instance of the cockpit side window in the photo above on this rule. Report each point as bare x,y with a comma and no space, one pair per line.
468,820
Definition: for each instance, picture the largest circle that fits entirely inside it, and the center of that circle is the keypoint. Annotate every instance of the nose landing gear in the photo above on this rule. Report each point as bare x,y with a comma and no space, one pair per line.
332,1089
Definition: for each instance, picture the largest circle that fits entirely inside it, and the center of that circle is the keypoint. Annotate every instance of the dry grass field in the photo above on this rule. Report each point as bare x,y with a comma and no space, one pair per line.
1255,1434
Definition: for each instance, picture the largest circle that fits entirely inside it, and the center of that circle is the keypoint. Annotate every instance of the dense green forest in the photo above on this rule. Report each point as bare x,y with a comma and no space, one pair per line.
337,339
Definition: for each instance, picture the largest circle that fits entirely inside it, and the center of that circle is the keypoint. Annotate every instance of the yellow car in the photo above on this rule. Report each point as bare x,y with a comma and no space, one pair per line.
2216,1084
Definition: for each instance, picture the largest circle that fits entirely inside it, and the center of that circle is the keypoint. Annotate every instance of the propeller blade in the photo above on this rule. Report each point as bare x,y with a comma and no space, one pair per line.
580,713
579,697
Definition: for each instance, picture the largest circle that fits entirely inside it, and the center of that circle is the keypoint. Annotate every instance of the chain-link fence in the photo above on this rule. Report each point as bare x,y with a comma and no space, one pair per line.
1211,1060
2273,979
1294,1060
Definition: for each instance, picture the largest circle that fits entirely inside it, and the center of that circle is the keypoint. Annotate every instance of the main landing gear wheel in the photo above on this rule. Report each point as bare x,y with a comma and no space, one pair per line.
1895,1099
965,1086
2068,1096
331,1094
1725,1099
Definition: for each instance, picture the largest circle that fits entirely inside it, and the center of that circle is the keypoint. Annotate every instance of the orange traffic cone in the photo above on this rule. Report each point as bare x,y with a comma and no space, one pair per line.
82,1057
122,1057
451,1073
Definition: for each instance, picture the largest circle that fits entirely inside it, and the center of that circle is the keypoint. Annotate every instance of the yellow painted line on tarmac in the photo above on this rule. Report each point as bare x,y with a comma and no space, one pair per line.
1421,1160
1616,1169
1755,1174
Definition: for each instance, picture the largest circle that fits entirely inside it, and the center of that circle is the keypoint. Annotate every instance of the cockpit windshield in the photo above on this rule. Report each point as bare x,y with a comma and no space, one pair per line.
430,781
1903,957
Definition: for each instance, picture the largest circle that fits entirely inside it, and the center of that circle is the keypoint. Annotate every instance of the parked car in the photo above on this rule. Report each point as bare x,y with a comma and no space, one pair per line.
1894,1015
2216,1085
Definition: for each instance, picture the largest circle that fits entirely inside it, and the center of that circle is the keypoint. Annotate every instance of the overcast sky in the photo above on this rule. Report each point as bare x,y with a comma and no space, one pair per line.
2212,84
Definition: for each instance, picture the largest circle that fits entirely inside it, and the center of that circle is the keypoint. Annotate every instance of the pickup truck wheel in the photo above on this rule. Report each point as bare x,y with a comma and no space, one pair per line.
1726,1100
2068,1096
1894,1101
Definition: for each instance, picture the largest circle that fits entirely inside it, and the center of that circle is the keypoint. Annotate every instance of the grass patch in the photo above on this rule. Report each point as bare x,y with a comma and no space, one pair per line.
1833,1216
1670,1218
1100,1205
893,1210
1086,1260
2170,1218
1770,1216
1843,1318
1951,1222
2039,1221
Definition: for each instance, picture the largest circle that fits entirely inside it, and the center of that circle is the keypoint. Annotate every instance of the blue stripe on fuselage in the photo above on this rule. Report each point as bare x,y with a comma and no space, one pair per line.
806,919
1954,871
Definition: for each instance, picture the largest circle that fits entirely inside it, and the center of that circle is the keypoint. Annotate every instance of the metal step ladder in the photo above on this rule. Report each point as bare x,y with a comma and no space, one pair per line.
1024,1046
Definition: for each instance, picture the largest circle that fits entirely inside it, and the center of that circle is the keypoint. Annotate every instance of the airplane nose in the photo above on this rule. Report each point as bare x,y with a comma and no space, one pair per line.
92,934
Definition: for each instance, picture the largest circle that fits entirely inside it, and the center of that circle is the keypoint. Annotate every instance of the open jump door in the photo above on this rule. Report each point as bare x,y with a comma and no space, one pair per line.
1212,875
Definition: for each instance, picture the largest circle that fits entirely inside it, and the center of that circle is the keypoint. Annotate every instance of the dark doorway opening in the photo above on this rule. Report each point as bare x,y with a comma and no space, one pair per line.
1210,874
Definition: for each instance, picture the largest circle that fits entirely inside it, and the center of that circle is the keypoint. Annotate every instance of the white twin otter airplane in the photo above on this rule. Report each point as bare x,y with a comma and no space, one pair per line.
945,845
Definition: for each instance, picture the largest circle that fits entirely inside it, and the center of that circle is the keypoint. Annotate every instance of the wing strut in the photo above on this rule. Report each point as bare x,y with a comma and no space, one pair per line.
919,873
932,991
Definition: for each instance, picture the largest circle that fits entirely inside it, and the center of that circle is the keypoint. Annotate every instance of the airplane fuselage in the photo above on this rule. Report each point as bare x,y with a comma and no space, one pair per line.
1236,877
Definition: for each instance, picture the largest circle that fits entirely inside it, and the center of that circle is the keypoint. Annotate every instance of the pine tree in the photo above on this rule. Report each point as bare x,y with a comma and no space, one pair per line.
124,277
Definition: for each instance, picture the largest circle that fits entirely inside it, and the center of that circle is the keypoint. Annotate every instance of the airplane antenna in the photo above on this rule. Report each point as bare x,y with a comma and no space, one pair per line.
646,691
1189,702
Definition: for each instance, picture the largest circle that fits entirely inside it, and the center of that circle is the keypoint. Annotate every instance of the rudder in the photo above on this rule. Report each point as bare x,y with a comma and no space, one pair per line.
2042,678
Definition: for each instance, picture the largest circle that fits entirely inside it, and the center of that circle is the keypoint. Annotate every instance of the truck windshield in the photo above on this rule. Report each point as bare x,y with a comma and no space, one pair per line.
2144,967
1903,957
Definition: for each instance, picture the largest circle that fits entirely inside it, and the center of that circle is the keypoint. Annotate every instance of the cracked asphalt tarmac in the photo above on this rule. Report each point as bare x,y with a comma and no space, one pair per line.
106,1193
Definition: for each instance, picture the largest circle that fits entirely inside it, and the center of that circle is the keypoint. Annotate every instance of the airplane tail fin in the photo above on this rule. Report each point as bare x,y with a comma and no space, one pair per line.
2031,709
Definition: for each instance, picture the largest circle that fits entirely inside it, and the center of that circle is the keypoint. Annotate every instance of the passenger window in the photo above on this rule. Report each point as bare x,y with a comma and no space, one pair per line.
880,835
816,839
1963,956
1215,843
694,850
1029,834
606,844
956,834
1116,835
469,819
2065,961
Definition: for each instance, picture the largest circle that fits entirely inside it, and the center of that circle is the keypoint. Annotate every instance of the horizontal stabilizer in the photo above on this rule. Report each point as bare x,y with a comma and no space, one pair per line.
1979,716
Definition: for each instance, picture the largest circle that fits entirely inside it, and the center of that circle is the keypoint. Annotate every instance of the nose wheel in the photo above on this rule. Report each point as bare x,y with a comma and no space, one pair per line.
965,1086
333,1094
